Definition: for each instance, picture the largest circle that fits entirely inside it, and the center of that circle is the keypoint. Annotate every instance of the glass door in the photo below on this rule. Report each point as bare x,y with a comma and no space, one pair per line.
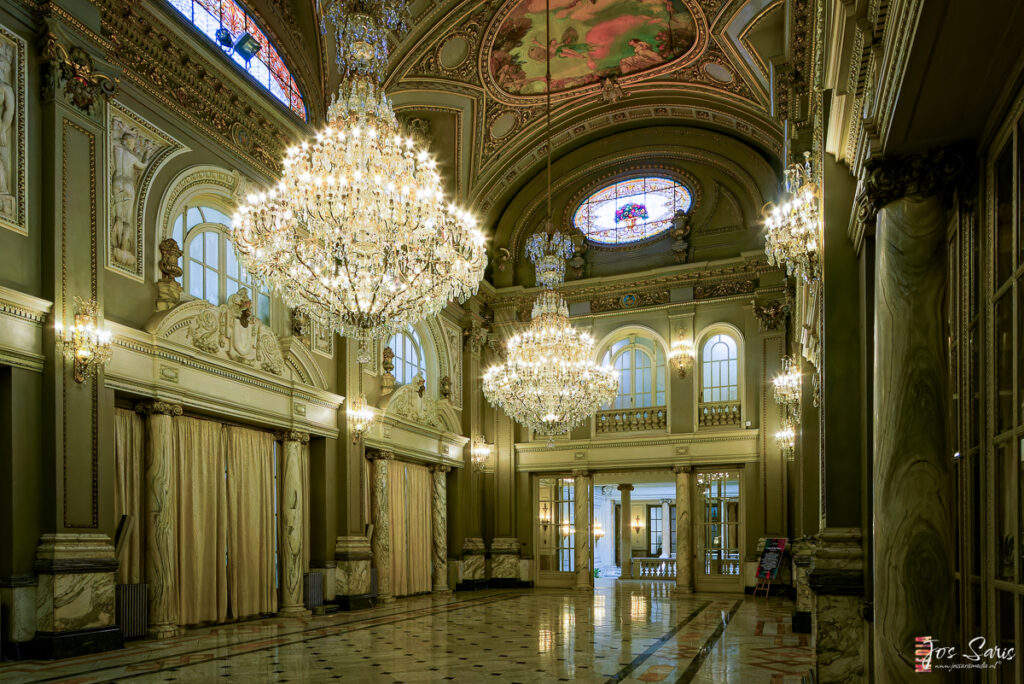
556,531
719,530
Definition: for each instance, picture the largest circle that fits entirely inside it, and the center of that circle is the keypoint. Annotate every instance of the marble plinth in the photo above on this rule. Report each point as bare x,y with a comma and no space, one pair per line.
352,567
473,551
836,581
19,603
505,558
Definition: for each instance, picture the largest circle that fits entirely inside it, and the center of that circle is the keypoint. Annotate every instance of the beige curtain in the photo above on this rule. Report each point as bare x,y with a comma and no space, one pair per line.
305,507
202,522
409,489
252,554
129,466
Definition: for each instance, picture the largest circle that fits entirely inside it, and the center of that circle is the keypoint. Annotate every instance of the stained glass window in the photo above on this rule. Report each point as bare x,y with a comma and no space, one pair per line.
266,66
631,210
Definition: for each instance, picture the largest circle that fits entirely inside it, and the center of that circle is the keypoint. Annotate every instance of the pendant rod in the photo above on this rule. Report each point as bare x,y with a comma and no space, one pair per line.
547,90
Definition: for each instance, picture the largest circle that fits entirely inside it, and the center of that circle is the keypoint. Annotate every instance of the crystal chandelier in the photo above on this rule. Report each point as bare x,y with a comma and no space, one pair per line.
786,436
360,417
681,356
549,381
86,342
787,383
794,224
358,232
480,452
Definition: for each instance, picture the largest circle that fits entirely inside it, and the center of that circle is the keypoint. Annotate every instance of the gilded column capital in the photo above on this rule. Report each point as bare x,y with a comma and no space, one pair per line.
625,488
292,436
580,472
682,469
887,179
380,455
438,468
156,407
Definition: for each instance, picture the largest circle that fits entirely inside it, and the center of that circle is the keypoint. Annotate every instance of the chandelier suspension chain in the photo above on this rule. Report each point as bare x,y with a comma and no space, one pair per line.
547,91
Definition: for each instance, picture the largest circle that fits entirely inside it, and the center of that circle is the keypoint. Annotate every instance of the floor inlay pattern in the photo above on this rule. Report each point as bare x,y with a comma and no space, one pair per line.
623,632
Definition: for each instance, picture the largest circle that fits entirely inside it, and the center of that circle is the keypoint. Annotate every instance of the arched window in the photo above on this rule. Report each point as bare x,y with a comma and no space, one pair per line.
211,267
719,369
408,356
227,25
640,364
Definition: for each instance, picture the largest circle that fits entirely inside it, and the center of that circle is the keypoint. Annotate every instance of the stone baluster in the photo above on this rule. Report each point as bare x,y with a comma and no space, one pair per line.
684,533
582,493
381,515
292,537
439,511
625,533
161,518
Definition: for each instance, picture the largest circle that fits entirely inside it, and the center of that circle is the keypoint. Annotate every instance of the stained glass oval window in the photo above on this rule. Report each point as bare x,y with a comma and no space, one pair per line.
231,29
631,210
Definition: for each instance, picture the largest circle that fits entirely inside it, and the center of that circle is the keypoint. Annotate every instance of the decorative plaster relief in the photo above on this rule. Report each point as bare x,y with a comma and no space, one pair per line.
135,152
13,206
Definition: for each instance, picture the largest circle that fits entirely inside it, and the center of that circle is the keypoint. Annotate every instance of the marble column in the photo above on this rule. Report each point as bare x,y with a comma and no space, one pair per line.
380,512
913,527
583,485
439,528
161,518
625,533
666,543
684,533
291,504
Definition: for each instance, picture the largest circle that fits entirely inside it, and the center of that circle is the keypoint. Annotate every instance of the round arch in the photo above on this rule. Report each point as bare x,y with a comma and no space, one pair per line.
699,341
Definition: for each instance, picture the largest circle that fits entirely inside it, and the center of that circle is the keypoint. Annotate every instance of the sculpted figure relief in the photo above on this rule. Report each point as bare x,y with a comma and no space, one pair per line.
8,109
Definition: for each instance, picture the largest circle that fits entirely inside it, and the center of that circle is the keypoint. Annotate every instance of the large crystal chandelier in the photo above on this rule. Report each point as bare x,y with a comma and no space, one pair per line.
549,381
794,224
357,232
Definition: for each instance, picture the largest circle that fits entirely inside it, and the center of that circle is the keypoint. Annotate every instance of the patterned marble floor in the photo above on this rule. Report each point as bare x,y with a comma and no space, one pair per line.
623,632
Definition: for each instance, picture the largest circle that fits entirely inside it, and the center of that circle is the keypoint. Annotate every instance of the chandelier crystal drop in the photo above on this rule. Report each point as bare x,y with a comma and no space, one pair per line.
358,232
793,237
787,383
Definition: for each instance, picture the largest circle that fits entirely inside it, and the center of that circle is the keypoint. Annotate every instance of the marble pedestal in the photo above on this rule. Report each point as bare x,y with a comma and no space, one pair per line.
18,602
75,596
837,585
352,556
803,557
473,570
505,570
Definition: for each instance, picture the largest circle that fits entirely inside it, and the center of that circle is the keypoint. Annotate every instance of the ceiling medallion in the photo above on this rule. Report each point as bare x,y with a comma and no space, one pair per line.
549,381
357,232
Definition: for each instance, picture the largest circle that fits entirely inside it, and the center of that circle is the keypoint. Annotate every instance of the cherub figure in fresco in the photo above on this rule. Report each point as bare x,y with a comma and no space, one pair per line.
643,57
567,47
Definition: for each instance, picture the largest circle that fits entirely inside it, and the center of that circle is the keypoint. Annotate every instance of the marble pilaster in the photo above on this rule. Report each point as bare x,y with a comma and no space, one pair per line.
473,551
439,528
75,594
291,505
583,488
837,583
626,533
380,512
161,518
666,512
684,533
505,558
352,586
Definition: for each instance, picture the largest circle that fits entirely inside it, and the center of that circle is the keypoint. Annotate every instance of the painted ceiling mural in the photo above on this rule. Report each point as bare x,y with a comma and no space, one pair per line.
590,40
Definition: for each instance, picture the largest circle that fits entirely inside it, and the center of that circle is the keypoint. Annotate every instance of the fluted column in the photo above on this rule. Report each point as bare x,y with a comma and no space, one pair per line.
684,533
380,503
161,523
582,493
625,533
439,511
914,584
291,504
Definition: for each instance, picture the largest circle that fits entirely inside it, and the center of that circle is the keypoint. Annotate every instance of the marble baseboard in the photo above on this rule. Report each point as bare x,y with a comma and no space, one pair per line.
505,566
57,645
839,639
19,603
68,603
473,568
354,602
352,578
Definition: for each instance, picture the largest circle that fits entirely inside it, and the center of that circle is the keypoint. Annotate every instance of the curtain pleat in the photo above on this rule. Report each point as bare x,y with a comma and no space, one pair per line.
420,488
251,536
304,464
202,521
399,548
129,460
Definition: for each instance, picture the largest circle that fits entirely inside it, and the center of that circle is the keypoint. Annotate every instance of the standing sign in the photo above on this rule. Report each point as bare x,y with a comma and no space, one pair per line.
768,568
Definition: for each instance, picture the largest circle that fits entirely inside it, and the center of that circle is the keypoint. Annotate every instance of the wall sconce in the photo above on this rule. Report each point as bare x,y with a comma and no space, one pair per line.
598,530
638,524
360,417
86,342
480,452
545,515
786,437
566,529
681,356
787,383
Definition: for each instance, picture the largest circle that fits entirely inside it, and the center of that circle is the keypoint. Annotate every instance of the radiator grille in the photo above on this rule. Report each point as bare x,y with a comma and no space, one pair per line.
133,610
314,582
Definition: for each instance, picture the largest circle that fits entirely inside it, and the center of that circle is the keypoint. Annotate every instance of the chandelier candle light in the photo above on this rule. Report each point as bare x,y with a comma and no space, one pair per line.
86,342
358,232
793,238
549,381
361,416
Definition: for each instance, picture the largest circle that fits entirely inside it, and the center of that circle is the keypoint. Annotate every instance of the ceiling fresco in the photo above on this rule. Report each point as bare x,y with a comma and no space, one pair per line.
590,40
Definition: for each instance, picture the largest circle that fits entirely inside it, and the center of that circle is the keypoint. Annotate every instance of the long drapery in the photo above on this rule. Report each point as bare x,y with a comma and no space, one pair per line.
410,488
129,465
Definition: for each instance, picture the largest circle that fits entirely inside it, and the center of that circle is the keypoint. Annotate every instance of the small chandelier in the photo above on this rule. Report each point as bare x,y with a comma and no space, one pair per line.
787,383
794,224
86,342
598,530
549,381
637,524
786,437
567,529
681,356
360,417
480,452
705,479
357,232
545,515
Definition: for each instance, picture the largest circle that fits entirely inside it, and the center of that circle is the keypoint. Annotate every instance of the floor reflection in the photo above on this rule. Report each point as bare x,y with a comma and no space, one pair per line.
628,631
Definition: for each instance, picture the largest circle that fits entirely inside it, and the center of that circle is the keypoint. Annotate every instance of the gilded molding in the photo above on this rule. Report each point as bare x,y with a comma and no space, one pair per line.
292,436
159,408
70,71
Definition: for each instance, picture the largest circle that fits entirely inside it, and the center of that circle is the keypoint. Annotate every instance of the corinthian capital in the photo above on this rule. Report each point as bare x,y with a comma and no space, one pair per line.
157,407
292,436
